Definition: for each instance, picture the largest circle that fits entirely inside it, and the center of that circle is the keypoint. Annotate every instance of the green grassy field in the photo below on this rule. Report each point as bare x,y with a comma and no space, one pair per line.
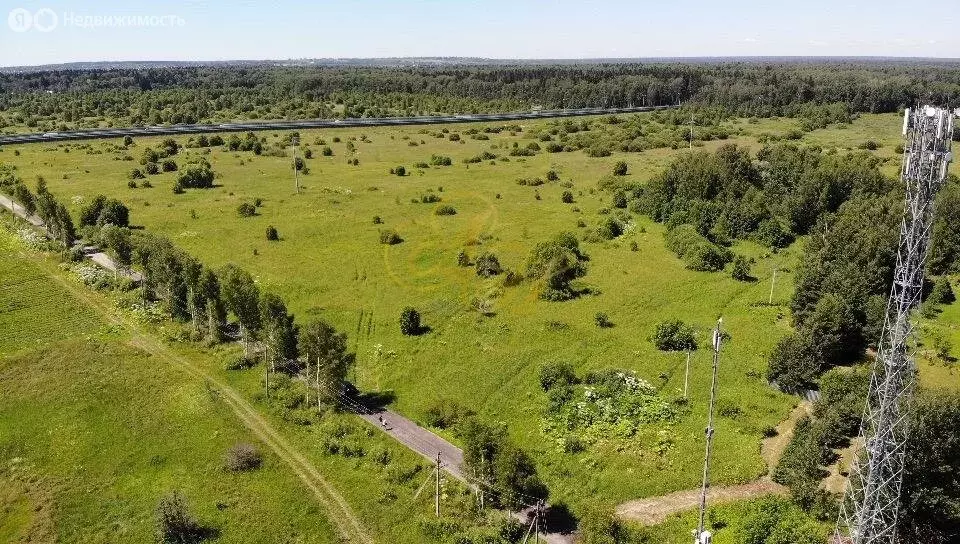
93,433
329,263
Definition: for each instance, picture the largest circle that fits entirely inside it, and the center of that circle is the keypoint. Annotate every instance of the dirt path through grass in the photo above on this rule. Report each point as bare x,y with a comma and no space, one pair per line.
654,510
339,512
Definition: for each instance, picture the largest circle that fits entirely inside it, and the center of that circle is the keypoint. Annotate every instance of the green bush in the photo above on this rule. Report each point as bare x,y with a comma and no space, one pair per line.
695,250
566,197
246,210
620,169
602,320
674,335
272,234
446,209
741,269
557,263
942,292
242,457
390,237
440,160
410,322
557,374
446,413
488,265
175,523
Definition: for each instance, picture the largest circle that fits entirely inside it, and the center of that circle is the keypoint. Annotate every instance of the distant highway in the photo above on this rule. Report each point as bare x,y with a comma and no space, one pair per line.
164,130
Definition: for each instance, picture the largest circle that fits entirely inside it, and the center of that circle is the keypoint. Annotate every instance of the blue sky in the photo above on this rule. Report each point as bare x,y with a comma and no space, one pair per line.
282,29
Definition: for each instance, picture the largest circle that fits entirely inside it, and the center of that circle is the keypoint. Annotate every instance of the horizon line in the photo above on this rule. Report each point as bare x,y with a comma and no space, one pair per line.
488,60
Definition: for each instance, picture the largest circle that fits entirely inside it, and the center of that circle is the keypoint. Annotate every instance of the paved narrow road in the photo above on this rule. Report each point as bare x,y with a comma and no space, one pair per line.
420,440
98,257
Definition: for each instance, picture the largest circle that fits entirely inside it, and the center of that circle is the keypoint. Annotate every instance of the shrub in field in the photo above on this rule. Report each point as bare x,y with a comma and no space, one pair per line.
674,335
246,210
557,263
557,374
602,320
377,220
552,175
446,209
488,265
445,413
741,269
242,457
620,169
175,523
566,197
151,168
942,293
695,250
619,199
169,165
410,322
440,160
390,237
609,404
462,258
196,175
272,234
136,174
102,210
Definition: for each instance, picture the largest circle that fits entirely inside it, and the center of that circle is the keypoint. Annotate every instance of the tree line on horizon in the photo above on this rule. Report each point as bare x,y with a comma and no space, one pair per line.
61,98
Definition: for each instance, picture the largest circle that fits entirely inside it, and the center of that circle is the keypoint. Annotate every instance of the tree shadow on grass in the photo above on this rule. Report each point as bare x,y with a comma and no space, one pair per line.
559,519
377,400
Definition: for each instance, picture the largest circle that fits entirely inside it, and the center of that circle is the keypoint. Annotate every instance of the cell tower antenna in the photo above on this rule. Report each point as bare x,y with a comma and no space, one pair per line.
702,536
871,503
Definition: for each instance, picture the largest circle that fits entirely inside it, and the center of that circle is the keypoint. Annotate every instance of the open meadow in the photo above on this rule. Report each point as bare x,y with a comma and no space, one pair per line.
329,262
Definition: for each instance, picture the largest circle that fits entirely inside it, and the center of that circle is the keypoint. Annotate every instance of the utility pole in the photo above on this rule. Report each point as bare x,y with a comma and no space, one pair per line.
437,499
704,537
536,521
296,172
772,283
266,373
319,407
686,376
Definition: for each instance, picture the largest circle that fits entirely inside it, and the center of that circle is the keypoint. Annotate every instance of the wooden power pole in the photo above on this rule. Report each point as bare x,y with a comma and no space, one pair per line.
437,499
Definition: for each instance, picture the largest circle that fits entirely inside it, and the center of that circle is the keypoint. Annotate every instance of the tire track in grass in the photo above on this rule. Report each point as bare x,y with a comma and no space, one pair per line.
339,512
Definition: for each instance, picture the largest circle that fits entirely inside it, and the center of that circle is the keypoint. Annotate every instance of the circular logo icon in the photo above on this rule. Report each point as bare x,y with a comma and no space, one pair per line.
45,20
20,20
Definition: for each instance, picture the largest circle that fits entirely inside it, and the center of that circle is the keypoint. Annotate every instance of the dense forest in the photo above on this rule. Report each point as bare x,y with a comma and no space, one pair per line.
79,98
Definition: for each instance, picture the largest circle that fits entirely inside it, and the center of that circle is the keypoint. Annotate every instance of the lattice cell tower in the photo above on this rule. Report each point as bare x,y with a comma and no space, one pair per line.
869,511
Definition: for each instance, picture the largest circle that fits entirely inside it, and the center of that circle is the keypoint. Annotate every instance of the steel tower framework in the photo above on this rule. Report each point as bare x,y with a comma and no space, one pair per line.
869,511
